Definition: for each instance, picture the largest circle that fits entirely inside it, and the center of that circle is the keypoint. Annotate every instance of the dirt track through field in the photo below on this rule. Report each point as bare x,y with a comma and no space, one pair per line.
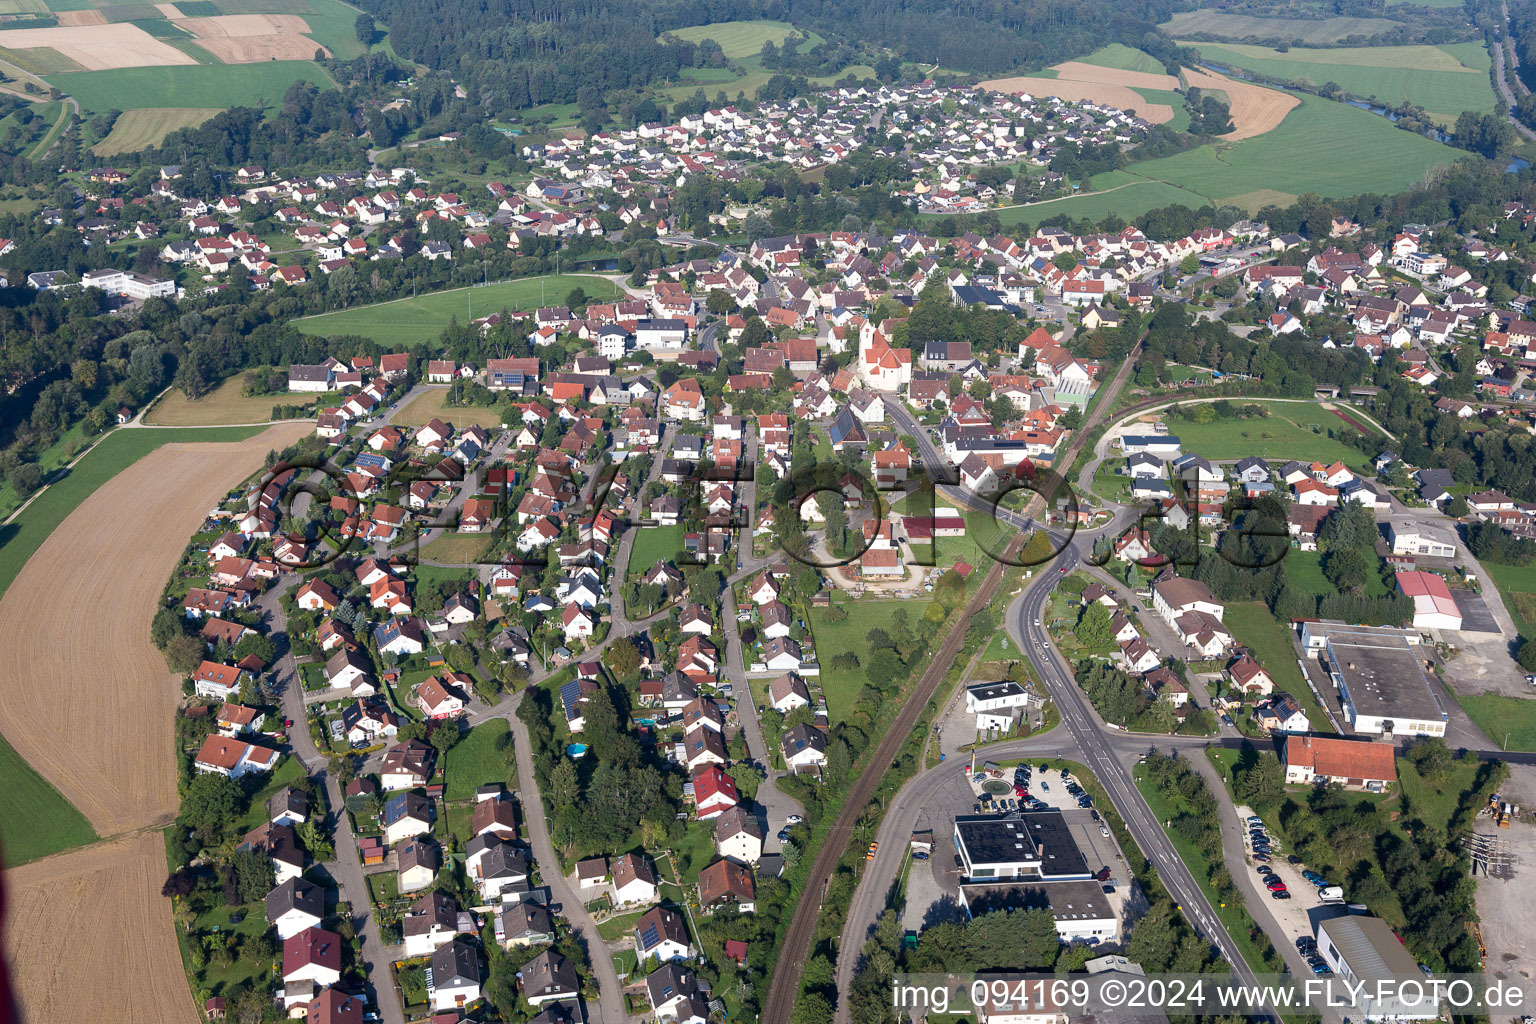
1255,109
98,47
249,38
84,696
89,937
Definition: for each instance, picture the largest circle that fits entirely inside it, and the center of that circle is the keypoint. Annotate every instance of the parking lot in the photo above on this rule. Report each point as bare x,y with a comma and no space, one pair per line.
1298,915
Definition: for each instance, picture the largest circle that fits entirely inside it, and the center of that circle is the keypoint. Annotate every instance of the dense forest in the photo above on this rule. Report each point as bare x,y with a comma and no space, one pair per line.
522,53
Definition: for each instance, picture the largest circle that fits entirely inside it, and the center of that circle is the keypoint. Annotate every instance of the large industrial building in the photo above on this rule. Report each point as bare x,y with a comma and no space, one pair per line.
1380,678
1362,950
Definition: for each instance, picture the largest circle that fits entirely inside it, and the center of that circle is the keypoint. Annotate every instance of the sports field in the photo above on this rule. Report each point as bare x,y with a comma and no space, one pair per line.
430,405
1286,433
140,129
741,38
1241,26
1444,80
223,405
421,319
217,85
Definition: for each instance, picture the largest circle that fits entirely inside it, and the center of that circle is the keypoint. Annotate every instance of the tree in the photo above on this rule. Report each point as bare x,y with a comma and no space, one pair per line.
1431,757
363,26
1457,507
444,737
211,803
1093,626
1189,264
254,643
1039,944
1527,655
26,478
254,875
623,659
1264,782
183,654
1346,568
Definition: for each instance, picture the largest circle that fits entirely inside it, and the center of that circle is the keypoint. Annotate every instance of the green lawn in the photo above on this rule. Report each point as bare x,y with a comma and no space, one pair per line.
1253,625
1305,572
1514,582
413,320
1286,433
212,85
1510,722
653,544
618,927
287,771
1442,80
840,687
1435,803
117,452
475,761
35,819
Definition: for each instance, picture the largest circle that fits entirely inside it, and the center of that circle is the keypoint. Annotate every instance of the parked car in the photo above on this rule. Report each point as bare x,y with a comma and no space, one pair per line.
1104,831
783,835
793,819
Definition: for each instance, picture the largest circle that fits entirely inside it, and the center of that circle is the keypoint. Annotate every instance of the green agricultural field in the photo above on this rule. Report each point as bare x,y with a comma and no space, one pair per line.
741,38
215,85
422,319
37,820
1286,433
40,60
1241,26
22,536
1443,80
23,7
1329,148
148,126
1118,55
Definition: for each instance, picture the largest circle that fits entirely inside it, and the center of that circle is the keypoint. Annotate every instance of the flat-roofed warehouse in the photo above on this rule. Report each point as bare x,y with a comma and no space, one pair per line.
1079,908
1034,844
1381,682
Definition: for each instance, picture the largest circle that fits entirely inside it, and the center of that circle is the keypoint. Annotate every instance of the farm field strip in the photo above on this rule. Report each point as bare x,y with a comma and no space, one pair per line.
122,542
1427,76
109,890
218,85
97,47
148,126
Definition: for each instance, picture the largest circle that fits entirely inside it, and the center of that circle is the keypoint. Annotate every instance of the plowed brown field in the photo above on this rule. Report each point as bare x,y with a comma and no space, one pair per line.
248,38
89,937
84,696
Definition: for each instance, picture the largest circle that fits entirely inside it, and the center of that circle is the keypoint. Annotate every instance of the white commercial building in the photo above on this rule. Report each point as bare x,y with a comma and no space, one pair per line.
998,705
1362,951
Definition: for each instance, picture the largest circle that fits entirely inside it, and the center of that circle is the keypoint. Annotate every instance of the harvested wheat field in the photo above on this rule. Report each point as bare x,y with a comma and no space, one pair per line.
99,47
90,17
1079,72
110,892
1086,92
76,620
1255,109
170,11
249,38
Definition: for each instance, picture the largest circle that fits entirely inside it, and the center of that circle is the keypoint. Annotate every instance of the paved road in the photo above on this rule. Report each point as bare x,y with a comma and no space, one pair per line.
1101,756
347,867
1501,81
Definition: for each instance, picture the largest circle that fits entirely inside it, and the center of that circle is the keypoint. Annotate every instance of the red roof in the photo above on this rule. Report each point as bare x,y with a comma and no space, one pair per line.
1339,758
711,782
